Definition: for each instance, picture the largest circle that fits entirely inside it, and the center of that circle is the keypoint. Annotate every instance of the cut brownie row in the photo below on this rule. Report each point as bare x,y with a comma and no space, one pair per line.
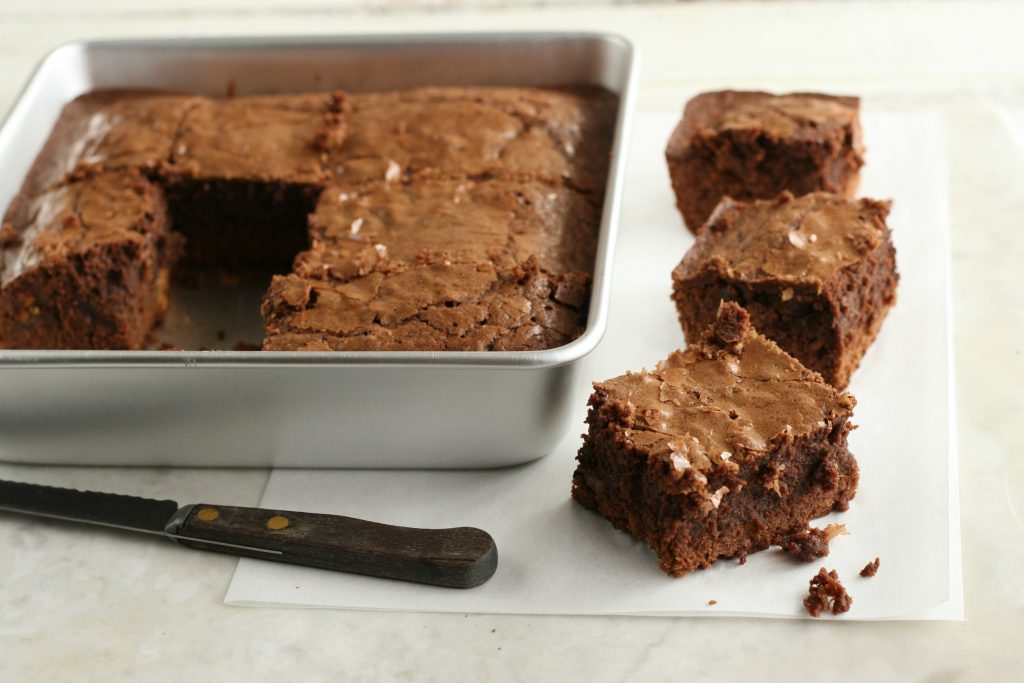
720,451
548,134
440,263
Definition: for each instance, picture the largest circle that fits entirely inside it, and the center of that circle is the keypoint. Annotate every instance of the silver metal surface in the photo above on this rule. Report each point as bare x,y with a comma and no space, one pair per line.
288,409
109,510
173,537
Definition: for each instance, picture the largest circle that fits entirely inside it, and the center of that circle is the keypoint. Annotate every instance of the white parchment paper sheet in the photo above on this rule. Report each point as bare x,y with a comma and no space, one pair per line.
556,558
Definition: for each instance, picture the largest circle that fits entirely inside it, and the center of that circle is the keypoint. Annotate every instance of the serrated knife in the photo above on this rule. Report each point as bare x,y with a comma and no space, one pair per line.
462,557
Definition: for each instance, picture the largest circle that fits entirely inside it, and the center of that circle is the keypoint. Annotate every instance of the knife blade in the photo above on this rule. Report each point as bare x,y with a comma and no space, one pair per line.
462,557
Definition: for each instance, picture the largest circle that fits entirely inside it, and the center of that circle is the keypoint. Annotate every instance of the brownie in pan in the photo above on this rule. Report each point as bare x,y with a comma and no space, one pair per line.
487,203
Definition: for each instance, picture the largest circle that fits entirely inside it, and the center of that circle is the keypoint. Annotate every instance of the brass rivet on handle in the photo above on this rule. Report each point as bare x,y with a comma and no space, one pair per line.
208,514
277,522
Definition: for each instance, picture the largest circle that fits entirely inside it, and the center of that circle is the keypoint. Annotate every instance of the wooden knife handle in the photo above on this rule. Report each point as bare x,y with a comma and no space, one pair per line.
462,557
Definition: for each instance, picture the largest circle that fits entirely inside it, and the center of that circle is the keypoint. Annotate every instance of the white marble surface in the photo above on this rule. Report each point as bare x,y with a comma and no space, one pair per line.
79,606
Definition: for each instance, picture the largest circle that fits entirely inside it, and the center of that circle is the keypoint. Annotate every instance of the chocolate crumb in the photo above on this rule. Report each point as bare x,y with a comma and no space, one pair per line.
84,171
712,602
728,330
8,236
809,544
870,569
332,133
742,555
826,593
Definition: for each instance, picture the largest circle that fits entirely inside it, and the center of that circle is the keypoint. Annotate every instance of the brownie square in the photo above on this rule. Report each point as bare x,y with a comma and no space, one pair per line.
754,145
720,451
817,274
439,264
86,265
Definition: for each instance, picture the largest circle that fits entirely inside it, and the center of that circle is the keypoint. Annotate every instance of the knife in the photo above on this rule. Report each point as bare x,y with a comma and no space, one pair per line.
462,557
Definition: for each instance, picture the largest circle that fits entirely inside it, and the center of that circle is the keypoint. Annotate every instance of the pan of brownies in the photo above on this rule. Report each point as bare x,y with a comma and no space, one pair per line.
372,251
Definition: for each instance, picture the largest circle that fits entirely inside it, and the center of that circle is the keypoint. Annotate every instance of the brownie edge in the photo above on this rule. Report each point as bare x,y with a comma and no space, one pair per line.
720,451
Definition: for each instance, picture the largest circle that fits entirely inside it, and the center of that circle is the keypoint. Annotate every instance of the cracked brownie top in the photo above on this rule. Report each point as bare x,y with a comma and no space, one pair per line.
84,214
794,117
559,135
722,403
804,239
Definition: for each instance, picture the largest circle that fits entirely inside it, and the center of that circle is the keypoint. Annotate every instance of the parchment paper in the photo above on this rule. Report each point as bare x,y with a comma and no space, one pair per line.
557,558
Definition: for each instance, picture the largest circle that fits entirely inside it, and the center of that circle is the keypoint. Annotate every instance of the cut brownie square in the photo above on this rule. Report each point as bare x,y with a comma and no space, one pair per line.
754,145
85,265
816,273
721,451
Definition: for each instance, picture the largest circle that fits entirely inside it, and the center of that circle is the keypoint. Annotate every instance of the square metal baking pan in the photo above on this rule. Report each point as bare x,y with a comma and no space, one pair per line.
290,409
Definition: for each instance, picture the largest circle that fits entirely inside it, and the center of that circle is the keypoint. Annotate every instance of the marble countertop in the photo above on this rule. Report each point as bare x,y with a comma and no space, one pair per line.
77,606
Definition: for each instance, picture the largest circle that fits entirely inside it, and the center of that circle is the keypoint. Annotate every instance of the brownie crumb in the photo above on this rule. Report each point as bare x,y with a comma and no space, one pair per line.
728,330
826,593
809,544
9,237
870,569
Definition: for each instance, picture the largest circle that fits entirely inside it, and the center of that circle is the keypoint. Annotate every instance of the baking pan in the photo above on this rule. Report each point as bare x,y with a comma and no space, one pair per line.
290,409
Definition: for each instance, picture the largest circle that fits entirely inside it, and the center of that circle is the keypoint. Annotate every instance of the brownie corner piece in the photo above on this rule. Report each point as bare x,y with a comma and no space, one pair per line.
86,265
817,274
754,145
721,450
